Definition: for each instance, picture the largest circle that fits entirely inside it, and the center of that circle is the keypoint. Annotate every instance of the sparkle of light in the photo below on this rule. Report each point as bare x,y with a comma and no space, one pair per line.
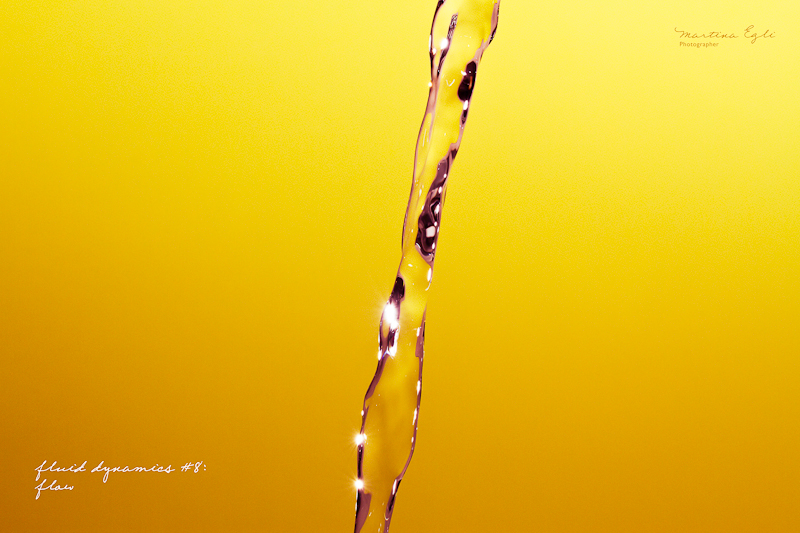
390,315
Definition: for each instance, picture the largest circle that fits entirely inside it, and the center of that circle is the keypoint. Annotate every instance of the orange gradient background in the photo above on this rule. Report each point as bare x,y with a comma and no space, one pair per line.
200,216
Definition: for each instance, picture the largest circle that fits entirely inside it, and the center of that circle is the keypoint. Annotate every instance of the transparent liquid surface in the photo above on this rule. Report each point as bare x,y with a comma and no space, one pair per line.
460,33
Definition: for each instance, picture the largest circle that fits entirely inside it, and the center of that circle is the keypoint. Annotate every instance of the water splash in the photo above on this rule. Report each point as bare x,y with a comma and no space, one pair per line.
460,32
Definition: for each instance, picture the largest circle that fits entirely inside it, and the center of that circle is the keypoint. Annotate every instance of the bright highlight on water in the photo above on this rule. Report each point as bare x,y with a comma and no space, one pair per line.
462,30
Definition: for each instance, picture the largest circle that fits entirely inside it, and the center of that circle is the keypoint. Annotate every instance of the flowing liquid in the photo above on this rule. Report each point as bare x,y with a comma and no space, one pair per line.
461,31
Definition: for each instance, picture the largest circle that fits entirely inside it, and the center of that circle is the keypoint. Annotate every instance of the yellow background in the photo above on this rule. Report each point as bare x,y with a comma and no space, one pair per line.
200,216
